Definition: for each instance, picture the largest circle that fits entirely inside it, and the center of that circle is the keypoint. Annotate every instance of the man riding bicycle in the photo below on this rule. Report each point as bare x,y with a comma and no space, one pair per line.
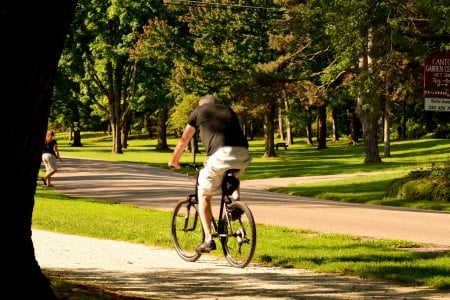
226,148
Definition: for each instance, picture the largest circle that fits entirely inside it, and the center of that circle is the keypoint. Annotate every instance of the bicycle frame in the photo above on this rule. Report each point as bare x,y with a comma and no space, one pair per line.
225,200
234,225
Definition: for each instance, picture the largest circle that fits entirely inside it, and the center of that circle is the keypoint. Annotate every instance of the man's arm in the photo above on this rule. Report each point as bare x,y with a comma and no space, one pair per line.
188,133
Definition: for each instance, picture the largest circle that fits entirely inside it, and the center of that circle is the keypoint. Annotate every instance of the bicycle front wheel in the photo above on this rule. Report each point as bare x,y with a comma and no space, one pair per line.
239,235
187,232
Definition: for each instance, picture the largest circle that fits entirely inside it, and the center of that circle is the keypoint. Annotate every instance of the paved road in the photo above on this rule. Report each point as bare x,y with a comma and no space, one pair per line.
154,273
161,189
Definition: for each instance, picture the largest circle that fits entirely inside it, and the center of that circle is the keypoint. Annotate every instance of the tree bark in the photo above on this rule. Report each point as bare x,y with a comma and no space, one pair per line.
30,79
322,127
289,138
280,124
335,125
163,116
77,139
269,130
368,107
354,127
309,128
386,128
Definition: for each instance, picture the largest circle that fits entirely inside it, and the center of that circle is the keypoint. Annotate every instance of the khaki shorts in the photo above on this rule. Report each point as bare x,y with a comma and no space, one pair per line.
49,161
211,176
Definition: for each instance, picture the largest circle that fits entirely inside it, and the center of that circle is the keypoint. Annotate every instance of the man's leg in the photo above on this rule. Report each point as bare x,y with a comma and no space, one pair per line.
205,210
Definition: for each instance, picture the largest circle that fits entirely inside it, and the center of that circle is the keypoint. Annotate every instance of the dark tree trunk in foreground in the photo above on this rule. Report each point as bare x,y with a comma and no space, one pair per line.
32,35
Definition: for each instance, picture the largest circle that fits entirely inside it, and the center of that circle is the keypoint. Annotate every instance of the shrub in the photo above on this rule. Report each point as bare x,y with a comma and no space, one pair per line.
432,185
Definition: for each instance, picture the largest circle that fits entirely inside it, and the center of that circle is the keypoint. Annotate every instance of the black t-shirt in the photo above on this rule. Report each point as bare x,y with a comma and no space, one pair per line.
49,148
218,126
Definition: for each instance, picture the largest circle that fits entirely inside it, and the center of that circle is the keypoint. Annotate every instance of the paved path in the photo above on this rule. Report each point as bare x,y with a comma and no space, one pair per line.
156,273
161,189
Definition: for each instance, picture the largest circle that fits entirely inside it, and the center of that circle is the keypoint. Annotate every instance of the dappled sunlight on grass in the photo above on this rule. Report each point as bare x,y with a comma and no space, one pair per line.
351,255
362,190
300,159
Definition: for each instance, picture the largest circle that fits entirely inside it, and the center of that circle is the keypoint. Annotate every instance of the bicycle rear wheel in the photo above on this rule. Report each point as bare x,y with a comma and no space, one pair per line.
187,232
239,239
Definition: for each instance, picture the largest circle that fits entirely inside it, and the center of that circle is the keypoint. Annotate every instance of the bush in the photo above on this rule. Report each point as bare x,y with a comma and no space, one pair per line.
432,185
442,132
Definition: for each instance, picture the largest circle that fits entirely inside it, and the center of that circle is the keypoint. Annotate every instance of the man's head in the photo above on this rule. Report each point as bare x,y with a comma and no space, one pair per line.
206,99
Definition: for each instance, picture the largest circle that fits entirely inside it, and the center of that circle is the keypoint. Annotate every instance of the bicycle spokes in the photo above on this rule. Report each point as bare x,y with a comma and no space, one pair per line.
240,241
187,232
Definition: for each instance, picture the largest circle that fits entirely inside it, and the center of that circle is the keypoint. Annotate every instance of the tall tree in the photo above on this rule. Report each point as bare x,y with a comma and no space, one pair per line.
102,37
231,44
160,46
29,80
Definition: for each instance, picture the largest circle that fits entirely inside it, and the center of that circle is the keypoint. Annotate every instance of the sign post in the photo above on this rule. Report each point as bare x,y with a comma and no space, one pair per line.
436,85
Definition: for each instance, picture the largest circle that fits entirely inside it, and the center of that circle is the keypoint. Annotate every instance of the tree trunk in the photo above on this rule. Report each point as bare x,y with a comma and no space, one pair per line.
30,79
309,128
77,139
148,124
163,116
269,131
402,125
335,125
354,127
386,128
280,125
369,110
116,137
322,127
370,130
369,121
252,129
289,139
125,132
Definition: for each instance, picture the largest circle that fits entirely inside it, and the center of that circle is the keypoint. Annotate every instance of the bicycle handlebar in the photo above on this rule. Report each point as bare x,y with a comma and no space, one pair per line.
194,166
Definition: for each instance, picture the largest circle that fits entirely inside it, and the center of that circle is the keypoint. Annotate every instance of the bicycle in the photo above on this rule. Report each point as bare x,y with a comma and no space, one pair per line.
235,226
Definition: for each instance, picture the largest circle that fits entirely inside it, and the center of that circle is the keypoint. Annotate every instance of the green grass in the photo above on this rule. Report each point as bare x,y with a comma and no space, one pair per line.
300,159
277,246
365,189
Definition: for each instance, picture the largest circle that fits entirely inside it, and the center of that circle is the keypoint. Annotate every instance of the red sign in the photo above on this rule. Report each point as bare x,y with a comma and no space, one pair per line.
437,73
436,83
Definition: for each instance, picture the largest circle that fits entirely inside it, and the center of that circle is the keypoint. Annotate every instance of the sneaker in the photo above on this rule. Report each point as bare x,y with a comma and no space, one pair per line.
206,247
236,214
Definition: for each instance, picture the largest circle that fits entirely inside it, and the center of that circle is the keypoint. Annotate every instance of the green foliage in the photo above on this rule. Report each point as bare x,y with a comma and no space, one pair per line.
180,114
430,184
442,131
132,59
